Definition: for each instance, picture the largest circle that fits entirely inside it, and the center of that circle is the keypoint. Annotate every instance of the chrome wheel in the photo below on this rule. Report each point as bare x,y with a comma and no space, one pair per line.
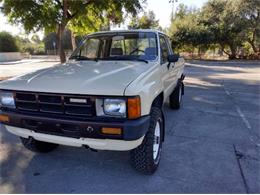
157,140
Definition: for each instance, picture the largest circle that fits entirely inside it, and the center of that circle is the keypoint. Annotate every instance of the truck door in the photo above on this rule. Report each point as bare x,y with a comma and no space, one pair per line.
166,72
175,69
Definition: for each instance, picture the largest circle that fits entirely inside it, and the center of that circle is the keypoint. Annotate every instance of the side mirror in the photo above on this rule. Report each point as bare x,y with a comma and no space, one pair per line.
173,58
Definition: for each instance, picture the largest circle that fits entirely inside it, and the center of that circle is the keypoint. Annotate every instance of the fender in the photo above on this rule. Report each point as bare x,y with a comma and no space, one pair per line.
148,85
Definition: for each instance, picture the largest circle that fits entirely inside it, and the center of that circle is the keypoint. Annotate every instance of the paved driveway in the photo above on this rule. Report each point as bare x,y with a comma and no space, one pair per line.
11,69
212,145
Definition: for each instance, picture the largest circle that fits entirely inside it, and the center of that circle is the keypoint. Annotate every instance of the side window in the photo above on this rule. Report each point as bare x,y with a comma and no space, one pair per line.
91,48
170,45
164,49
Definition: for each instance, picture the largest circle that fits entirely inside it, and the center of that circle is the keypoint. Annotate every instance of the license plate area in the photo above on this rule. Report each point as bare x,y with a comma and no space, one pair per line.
53,128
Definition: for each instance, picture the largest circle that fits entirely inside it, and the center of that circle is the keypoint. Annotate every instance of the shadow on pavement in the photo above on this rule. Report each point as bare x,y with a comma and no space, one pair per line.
198,154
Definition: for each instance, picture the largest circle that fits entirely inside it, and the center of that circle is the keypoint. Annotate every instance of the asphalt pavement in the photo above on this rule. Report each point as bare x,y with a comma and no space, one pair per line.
16,68
212,145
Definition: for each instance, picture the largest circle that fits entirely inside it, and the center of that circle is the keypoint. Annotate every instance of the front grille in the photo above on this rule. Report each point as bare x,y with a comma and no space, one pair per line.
55,103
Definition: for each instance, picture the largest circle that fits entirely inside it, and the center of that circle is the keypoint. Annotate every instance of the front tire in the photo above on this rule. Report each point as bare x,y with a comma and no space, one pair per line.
146,157
38,146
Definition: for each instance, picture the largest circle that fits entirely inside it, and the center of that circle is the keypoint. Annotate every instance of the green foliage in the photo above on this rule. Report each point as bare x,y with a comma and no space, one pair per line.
187,32
36,39
230,24
34,46
7,42
249,14
228,30
146,21
82,16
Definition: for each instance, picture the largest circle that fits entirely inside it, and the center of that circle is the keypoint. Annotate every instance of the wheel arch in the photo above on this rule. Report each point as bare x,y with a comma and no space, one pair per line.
158,100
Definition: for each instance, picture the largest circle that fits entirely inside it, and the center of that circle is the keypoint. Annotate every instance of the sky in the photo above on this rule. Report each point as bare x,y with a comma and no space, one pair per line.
161,8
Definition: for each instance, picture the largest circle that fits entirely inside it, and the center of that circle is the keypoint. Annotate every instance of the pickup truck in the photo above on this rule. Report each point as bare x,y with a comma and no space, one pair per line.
109,95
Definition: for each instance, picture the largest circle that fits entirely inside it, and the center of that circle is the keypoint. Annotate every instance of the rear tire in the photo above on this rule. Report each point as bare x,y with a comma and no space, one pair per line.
38,146
146,157
176,97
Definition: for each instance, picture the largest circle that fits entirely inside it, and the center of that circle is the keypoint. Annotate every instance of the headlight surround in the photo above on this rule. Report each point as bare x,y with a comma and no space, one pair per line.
114,107
7,99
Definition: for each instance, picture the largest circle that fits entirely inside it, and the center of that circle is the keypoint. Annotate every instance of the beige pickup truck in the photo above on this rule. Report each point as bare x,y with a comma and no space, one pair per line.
109,95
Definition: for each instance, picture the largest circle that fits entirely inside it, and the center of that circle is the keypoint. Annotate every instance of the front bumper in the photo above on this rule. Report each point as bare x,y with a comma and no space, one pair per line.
131,129
98,144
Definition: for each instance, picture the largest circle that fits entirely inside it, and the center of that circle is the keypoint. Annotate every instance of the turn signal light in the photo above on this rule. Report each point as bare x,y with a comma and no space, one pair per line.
134,107
111,130
4,118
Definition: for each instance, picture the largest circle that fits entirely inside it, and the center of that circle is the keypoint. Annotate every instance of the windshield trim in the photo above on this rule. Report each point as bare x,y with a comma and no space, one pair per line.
99,34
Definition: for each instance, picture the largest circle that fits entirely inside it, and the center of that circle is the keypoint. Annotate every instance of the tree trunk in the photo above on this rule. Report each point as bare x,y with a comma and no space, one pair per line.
223,50
233,53
232,56
61,50
199,52
73,41
61,28
252,42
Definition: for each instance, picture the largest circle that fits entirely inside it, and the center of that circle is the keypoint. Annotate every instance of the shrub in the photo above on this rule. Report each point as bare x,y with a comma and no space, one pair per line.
7,42
33,47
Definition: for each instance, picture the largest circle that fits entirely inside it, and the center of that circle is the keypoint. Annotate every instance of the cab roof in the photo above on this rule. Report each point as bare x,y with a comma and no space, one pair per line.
132,30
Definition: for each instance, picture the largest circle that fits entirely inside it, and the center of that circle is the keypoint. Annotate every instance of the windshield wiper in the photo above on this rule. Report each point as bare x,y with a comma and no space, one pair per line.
125,58
82,58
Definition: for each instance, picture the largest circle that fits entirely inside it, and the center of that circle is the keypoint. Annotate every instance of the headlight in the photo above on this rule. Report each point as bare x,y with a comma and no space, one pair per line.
115,107
7,99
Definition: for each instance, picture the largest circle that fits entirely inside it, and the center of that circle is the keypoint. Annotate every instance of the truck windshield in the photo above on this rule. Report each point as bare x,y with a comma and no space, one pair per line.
141,46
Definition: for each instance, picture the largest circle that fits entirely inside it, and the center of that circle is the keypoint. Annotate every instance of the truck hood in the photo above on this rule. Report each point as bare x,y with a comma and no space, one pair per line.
80,77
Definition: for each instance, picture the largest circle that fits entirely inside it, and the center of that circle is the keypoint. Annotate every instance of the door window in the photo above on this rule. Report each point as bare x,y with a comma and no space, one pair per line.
164,49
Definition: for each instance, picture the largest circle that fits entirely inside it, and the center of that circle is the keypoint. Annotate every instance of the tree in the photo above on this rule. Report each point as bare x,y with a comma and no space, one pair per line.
249,14
146,21
56,15
36,39
181,11
220,17
33,46
186,32
7,42
232,25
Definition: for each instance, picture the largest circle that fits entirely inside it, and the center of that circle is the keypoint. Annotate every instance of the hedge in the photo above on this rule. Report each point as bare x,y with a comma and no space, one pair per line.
7,42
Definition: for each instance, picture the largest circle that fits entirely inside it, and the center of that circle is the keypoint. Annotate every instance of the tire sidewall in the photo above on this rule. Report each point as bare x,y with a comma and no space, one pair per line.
180,93
157,160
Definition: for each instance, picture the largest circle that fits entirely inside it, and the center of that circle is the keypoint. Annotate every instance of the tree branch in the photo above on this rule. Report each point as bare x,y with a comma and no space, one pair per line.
86,2
222,48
